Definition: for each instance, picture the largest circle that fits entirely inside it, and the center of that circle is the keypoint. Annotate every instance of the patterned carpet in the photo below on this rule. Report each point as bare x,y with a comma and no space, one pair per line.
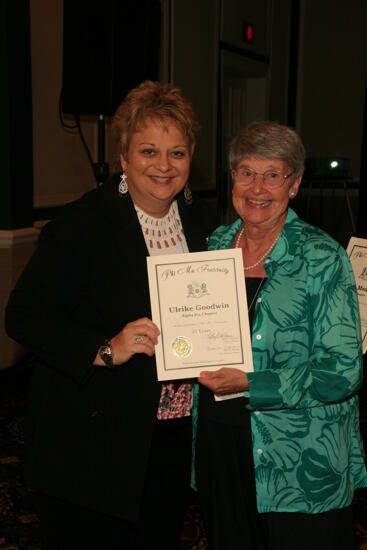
19,527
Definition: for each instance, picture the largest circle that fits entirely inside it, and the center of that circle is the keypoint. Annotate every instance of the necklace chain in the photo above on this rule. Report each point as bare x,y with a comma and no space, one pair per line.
252,266
256,293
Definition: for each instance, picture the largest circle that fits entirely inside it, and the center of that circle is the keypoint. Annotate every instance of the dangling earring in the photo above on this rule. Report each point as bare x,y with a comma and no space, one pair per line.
123,188
187,194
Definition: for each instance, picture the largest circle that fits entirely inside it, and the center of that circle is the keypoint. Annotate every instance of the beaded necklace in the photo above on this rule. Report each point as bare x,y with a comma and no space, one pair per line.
237,245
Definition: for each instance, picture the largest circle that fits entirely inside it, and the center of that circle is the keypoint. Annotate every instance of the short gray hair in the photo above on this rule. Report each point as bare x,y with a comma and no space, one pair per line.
270,140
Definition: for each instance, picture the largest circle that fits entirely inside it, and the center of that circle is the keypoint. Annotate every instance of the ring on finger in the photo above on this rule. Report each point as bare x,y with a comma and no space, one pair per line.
139,339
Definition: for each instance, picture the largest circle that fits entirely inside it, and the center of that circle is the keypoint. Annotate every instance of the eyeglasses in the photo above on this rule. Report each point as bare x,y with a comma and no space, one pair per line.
271,178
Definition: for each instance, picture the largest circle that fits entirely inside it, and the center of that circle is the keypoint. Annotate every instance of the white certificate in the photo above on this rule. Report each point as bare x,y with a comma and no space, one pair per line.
357,252
199,304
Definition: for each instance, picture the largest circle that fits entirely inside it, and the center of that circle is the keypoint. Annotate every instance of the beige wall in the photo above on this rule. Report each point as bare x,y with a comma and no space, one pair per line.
61,168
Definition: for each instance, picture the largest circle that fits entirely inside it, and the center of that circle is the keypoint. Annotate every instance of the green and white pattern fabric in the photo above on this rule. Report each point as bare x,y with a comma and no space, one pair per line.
307,447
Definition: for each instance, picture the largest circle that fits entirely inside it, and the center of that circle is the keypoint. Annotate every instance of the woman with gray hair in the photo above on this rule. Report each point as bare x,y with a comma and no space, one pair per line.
277,467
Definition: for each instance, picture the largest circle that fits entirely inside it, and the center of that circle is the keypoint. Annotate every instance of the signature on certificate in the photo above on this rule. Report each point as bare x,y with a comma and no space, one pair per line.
359,254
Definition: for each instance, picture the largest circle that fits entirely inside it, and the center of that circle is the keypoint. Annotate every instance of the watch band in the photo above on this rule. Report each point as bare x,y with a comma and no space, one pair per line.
105,353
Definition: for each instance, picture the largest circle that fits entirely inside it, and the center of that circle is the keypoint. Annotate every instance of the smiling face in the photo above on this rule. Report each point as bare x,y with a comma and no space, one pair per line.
157,166
258,205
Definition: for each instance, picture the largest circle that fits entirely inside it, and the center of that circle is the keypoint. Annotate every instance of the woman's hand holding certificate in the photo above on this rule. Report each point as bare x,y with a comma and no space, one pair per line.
224,381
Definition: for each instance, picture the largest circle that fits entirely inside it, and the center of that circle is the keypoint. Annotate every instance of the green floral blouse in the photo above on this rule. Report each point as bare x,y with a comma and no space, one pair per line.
306,344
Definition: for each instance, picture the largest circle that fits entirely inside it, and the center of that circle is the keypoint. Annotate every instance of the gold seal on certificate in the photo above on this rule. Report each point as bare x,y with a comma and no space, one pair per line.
181,346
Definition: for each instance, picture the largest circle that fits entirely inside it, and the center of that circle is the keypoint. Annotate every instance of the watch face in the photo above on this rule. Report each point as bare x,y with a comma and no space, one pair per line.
106,355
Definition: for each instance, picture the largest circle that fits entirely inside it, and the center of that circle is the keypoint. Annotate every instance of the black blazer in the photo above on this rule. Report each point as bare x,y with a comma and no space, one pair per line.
90,428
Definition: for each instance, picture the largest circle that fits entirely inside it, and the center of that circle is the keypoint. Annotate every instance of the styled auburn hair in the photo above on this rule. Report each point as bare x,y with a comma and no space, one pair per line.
269,140
152,101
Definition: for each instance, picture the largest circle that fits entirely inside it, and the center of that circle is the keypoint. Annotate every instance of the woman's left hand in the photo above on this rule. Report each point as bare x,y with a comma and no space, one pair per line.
224,381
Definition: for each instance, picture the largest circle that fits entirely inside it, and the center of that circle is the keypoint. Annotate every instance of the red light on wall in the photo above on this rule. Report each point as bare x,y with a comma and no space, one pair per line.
248,33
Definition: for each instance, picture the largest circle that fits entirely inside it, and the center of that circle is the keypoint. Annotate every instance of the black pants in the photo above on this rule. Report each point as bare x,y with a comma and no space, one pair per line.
227,495
68,527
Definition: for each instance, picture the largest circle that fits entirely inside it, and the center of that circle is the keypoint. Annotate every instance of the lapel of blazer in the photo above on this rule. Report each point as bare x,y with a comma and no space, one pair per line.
126,234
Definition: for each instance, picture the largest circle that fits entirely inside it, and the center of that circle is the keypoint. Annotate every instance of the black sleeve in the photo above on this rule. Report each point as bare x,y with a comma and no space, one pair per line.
40,311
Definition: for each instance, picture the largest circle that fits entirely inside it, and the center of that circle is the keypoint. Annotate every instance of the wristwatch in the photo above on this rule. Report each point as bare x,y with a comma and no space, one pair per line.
105,353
